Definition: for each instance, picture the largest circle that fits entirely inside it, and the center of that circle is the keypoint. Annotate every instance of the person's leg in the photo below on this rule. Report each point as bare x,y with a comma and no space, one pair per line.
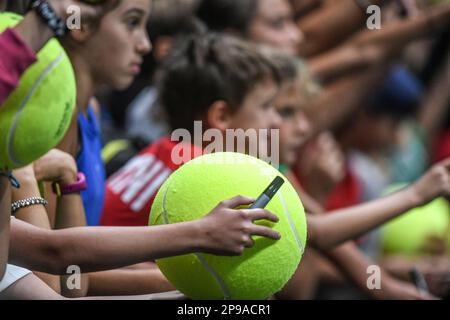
144,278
5,214
29,287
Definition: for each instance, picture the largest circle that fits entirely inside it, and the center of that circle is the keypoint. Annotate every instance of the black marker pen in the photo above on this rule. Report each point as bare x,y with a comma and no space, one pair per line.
268,194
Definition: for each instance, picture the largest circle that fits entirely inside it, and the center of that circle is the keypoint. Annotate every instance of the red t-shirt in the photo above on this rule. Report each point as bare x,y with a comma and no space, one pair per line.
345,194
441,147
131,191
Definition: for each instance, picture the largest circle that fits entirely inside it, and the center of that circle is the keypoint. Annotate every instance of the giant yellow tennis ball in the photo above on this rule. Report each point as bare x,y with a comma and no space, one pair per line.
410,233
193,191
37,114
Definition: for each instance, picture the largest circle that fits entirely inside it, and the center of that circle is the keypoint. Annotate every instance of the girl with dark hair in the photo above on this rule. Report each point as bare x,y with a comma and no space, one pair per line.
268,22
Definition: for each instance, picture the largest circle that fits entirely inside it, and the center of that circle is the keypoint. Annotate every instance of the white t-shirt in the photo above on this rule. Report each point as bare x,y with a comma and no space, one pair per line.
12,275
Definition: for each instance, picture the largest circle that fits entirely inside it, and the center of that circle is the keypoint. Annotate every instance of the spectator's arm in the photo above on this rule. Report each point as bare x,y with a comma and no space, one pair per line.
333,23
370,48
353,264
401,32
341,98
35,32
326,232
141,279
97,248
224,231
35,215
356,266
434,109
60,167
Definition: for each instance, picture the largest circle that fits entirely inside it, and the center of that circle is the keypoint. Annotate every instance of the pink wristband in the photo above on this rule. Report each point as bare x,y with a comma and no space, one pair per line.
76,187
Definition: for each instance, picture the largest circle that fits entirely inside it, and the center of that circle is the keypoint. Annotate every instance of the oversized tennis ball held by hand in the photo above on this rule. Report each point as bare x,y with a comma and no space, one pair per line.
193,191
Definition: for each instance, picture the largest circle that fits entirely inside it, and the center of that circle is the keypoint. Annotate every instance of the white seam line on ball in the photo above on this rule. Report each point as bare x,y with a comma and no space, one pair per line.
13,128
219,280
205,264
291,222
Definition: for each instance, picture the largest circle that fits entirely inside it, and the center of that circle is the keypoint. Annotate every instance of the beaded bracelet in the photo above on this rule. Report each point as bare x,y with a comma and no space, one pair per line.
17,205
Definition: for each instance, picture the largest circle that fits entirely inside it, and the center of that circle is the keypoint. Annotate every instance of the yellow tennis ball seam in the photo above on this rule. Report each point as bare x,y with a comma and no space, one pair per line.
291,223
12,130
203,262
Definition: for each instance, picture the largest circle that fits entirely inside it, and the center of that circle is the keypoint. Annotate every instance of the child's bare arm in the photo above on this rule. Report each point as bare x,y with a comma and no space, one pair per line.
34,31
370,48
224,231
355,266
129,281
35,215
341,98
332,24
399,33
328,231
60,167
434,109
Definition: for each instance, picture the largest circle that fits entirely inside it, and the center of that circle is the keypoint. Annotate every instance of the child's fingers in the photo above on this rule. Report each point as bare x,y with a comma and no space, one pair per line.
250,243
265,232
236,202
260,214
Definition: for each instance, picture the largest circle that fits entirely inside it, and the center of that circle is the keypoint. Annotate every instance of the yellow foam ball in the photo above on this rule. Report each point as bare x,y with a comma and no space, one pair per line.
193,191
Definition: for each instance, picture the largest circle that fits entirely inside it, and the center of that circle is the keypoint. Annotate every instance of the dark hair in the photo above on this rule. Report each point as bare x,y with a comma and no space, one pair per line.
22,6
206,69
106,7
219,15
172,18
18,6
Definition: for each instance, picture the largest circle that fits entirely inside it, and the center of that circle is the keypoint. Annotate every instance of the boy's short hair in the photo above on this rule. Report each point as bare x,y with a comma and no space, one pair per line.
292,69
206,69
